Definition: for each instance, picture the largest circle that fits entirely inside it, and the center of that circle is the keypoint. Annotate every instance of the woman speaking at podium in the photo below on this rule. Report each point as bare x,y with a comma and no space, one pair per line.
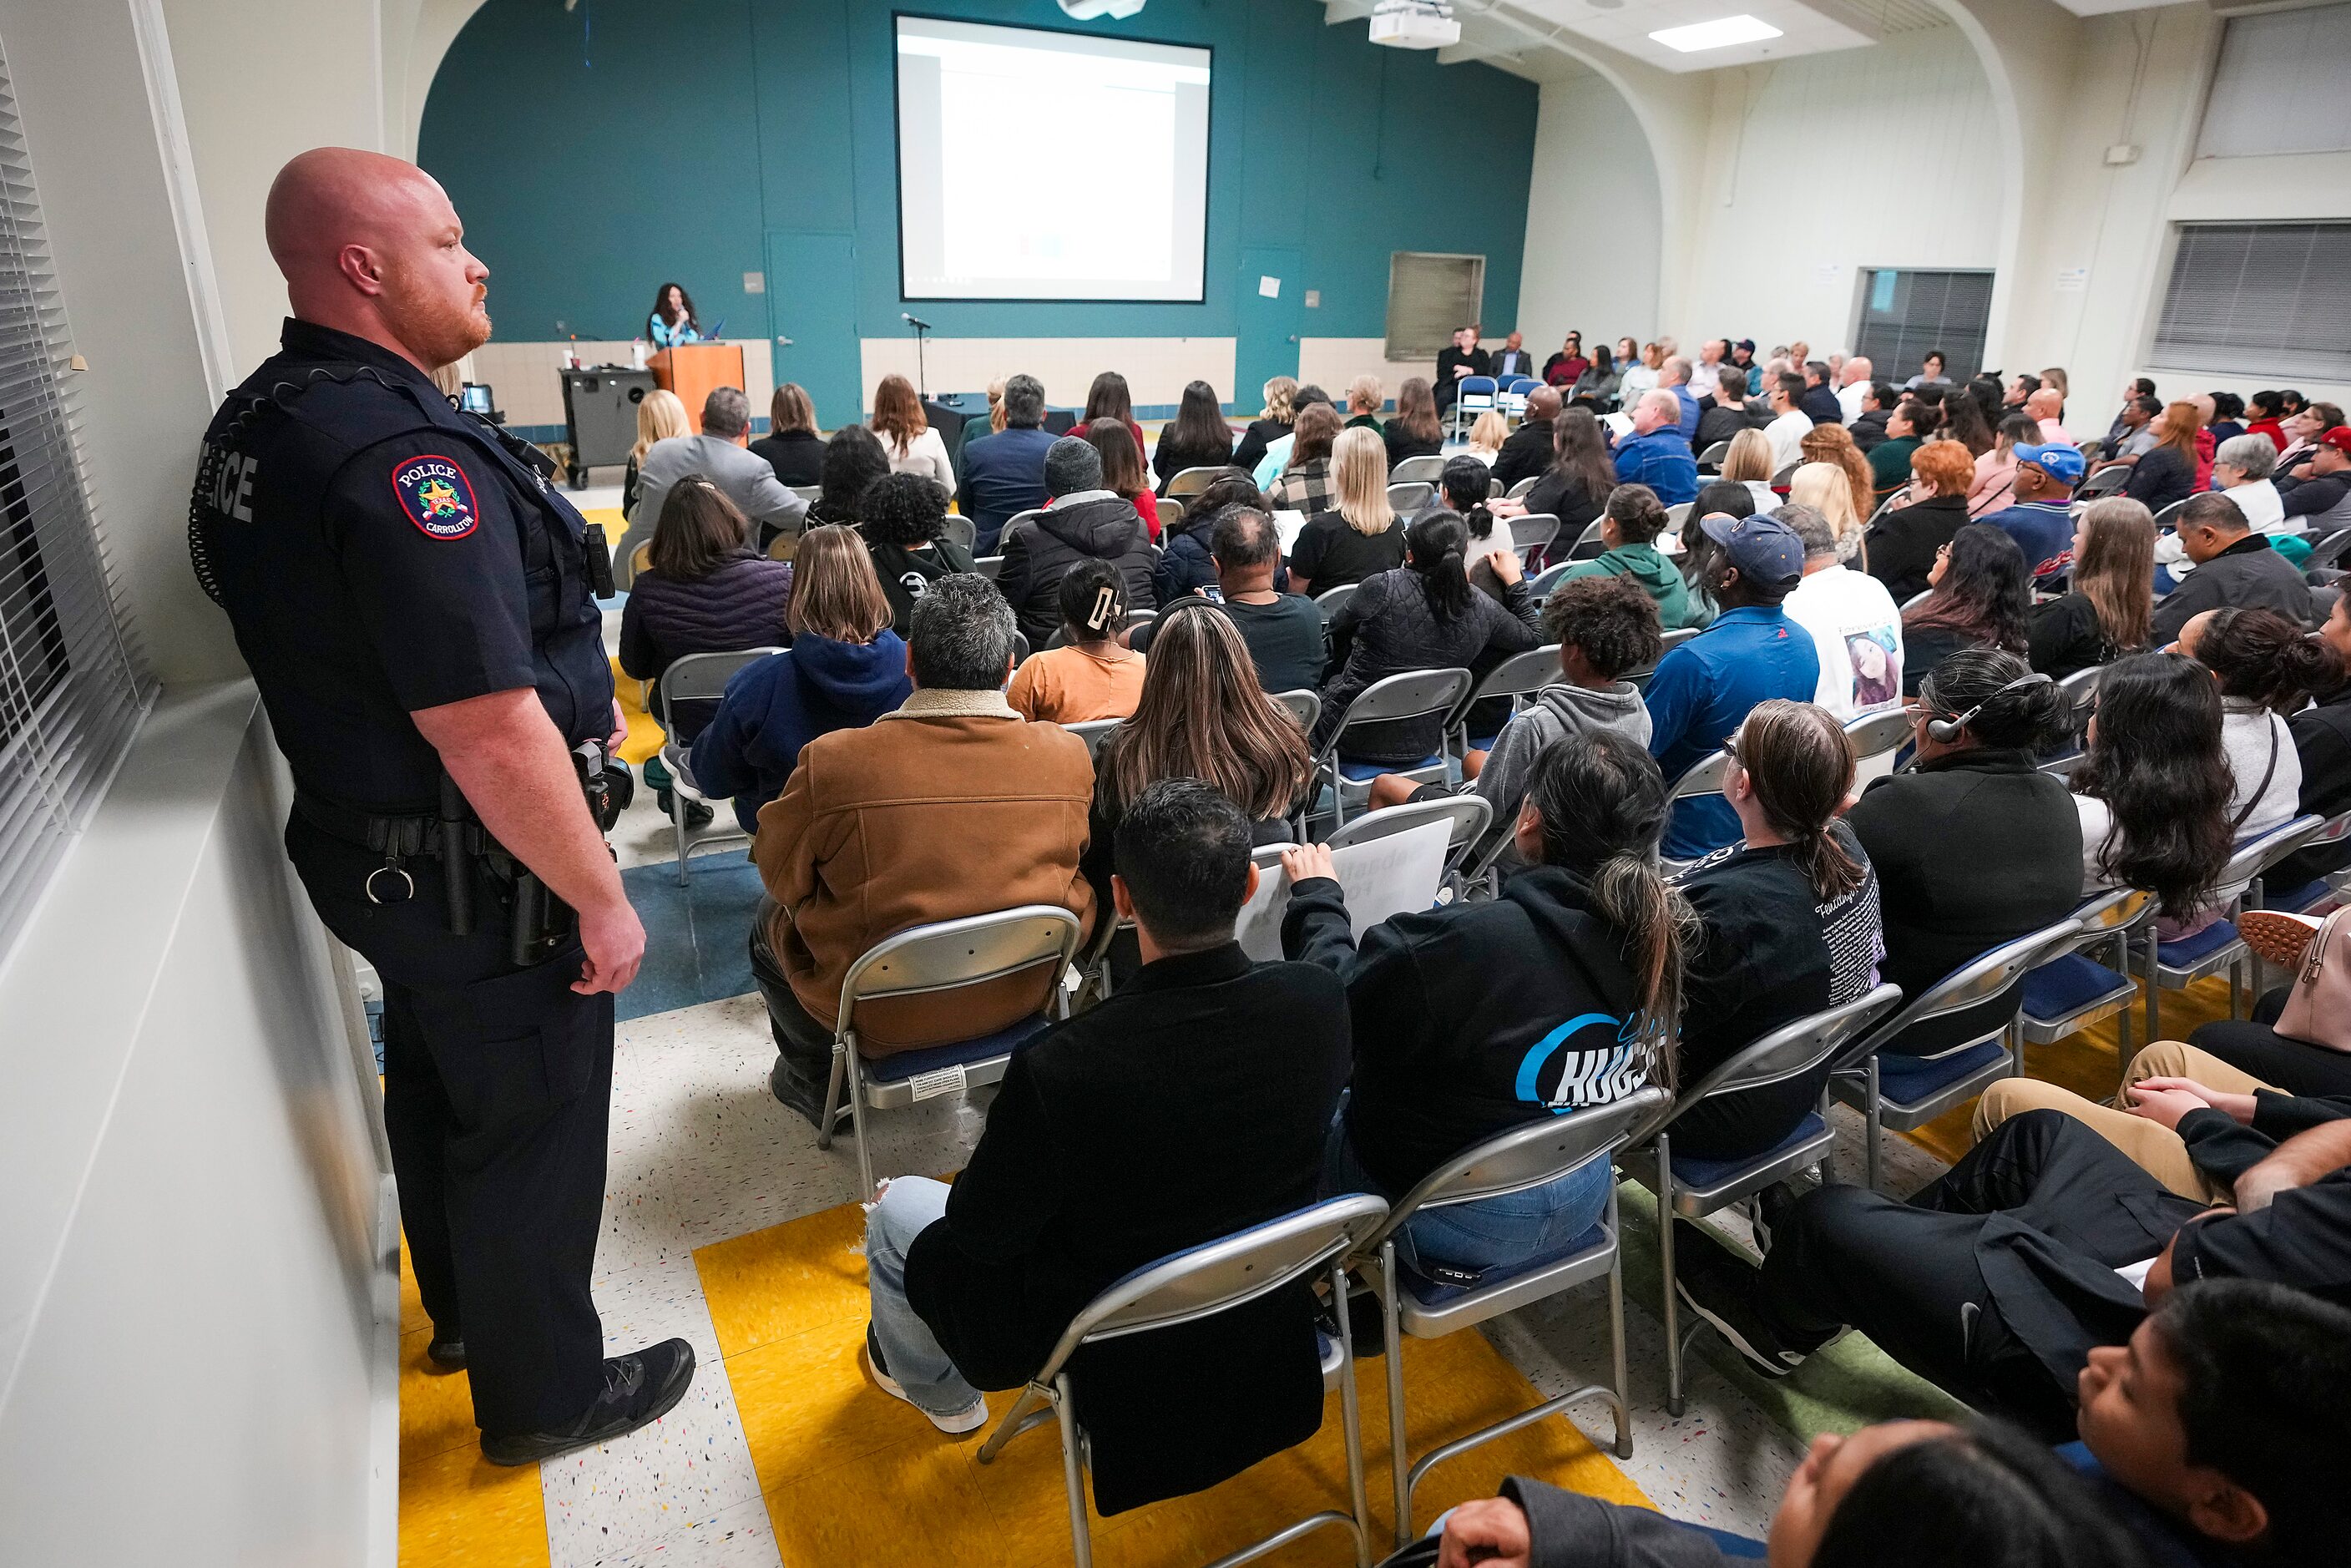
672,321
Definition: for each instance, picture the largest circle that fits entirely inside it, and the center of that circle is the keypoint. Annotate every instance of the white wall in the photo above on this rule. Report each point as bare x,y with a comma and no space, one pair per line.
1593,220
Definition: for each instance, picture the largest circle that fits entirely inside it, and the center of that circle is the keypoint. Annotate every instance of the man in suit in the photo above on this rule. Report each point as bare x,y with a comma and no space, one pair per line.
1512,358
1193,1105
1464,358
1004,473
1529,449
720,454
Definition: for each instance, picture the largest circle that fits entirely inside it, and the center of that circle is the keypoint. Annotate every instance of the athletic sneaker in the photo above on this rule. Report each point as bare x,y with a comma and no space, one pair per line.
955,1426
639,1390
2278,937
1719,1289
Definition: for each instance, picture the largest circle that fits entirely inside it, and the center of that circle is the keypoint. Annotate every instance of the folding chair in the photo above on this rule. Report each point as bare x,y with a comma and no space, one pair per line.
1093,732
1185,1288
1711,460
1666,644
1533,534
923,960
633,561
1524,1157
2106,481
697,677
811,494
1406,498
2070,990
1171,512
1916,600
1330,599
1473,395
1695,1187
1303,706
1540,586
1589,545
1877,740
1020,649
1510,397
1900,1091
1192,481
1896,499
1012,522
1785,476
1520,674
1702,777
2170,966
1677,515
2302,899
958,530
1417,471
1518,490
989,566
1416,694
1468,816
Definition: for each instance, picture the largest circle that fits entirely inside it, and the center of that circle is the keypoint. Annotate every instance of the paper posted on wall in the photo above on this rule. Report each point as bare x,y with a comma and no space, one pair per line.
1386,876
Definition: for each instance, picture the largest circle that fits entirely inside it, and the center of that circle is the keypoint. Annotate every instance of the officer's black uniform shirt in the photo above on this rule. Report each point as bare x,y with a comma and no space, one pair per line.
379,552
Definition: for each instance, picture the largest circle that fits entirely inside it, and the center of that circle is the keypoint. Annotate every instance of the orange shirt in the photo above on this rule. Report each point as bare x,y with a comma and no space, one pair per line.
1071,685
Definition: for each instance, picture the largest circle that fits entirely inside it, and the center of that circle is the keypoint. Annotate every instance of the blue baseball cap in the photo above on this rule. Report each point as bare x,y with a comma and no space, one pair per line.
1766,551
2060,462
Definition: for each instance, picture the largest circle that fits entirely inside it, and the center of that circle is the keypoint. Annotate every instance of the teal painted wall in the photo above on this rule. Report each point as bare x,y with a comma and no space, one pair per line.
596,153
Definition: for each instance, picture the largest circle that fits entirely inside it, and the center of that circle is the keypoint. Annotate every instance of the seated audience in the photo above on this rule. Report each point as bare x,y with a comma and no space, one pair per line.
854,461
845,668
1599,384
1561,370
2165,471
1818,400
905,433
1277,457
1826,488
1529,449
2303,430
1306,483
1832,444
953,805
1878,401
718,455
1674,376
2232,566
1785,433
1855,379
1269,426
1364,396
1108,398
1931,372
659,417
1902,544
1422,616
1122,472
1788,924
2227,420
1748,464
2110,598
2266,667
1186,563
2264,415
2322,740
1192,1104
903,516
1656,454
1197,437
1628,533
1979,596
1083,521
2154,787
1995,486
973,429
1090,674
1975,846
1703,688
1462,490
1856,628
1908,428
1360,535
2133,434
1004,473
2046,407
1587,933
1283,632
1414,432
791,446
2322,499
2243,464
1488,436
1576,484
1729,412
1641,363
1965,421
2040,515
1455,363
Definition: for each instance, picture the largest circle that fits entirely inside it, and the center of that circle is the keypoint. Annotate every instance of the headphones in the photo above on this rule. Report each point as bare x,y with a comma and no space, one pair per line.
1947,730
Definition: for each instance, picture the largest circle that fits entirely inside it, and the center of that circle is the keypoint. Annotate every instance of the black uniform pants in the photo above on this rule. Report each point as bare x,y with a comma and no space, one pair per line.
497,1088
1906,1274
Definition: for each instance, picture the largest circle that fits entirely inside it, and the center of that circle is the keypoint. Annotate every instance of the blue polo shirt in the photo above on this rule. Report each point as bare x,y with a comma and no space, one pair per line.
2044,531
1705,689
1661,460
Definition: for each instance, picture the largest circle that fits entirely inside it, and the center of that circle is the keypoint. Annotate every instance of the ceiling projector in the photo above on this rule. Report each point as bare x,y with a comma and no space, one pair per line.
1415,23
1087,10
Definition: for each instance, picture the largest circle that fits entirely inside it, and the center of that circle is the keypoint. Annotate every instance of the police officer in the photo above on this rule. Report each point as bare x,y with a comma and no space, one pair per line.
414,602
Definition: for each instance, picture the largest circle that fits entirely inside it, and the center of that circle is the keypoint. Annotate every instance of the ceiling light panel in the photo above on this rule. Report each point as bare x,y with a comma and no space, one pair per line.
1801,27
1720,33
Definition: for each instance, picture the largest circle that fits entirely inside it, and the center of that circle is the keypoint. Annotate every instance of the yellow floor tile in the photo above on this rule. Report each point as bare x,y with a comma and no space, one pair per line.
785,1280
457,1509
436,1408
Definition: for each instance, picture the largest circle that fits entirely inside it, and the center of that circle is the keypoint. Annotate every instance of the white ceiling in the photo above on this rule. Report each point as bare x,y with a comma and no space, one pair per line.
1807,27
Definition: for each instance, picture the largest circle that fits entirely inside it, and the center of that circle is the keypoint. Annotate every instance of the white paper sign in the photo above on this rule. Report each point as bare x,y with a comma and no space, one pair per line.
1387,877
1270,286
1287,526
2073,279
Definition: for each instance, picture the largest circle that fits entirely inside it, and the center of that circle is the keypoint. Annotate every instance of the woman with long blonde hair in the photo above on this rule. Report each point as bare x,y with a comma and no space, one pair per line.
1825,487
659,417
2109,609
1278,420
1833,444
1748,463
1363,534
905,433
1486,436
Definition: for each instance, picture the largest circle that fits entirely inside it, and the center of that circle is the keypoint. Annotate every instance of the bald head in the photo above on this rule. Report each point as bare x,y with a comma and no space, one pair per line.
2046,403
370,245
1858,369
1543,403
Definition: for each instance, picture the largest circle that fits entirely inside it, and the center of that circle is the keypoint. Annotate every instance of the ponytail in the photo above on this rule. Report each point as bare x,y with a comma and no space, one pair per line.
1437,547
1657,926
1800,762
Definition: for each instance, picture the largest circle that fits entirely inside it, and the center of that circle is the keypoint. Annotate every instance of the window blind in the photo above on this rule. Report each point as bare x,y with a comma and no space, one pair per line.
73,684
2278,85
1905,311
2259,300
1430,297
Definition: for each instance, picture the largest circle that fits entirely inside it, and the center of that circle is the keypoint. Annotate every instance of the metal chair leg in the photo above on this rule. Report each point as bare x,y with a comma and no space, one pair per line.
1073,1471
1392,1327
1670,1305
1616,1331
677,808
1350,1417
2154,988
1872,1112
857,1120
2123,1030
831,1095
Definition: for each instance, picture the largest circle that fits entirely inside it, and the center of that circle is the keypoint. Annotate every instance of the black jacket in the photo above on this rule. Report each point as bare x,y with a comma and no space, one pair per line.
907,574
2249,574
1260,434
1870,428
2159,478
1527,453
1570,1529
1562,495
1038,553
796,455
1194,1104
2321,739
1454,1009
2064,637
1403,446
1721,423
1395,629
1185,562
1971,850
1901,545
1169,457
1821,405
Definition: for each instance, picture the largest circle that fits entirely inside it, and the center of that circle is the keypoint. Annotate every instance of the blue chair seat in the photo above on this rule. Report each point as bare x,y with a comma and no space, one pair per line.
2202,945
1484,742
2297,900
1364,772
1907,1080
1429,1295
2068,984
1707,1175
901,1065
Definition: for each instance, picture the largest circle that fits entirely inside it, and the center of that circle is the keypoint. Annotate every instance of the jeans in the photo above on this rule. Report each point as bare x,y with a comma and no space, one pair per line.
917,1364
1491,1233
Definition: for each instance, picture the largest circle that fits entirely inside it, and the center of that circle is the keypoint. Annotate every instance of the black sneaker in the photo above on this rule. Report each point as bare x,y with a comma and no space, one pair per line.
797,1093
639,1390
445,1355
1720,1288
1768,1210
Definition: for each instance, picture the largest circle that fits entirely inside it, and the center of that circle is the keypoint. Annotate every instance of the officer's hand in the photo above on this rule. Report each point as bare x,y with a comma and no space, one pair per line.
620,725
615,941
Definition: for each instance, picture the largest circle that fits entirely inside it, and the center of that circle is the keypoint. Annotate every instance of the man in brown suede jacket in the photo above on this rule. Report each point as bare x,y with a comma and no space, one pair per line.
954,805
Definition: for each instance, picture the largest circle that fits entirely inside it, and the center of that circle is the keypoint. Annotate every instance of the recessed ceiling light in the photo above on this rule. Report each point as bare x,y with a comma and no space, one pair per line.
1715,35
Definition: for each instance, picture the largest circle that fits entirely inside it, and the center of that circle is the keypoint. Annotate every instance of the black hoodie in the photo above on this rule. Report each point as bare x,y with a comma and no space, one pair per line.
1090,525
1472,1019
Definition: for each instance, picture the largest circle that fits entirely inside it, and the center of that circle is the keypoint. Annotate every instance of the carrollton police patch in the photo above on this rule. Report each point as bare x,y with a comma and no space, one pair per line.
436,496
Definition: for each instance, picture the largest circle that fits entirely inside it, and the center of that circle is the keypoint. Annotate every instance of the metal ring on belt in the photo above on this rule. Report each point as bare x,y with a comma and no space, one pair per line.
408,884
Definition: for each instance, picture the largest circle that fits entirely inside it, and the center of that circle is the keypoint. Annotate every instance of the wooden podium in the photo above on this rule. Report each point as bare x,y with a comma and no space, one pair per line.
692,370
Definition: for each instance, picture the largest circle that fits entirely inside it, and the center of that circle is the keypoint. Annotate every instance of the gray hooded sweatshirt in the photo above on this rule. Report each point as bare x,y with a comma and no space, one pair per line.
1556,712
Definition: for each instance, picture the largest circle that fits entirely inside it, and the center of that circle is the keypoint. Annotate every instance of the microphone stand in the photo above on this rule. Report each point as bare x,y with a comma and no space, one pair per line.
922,375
